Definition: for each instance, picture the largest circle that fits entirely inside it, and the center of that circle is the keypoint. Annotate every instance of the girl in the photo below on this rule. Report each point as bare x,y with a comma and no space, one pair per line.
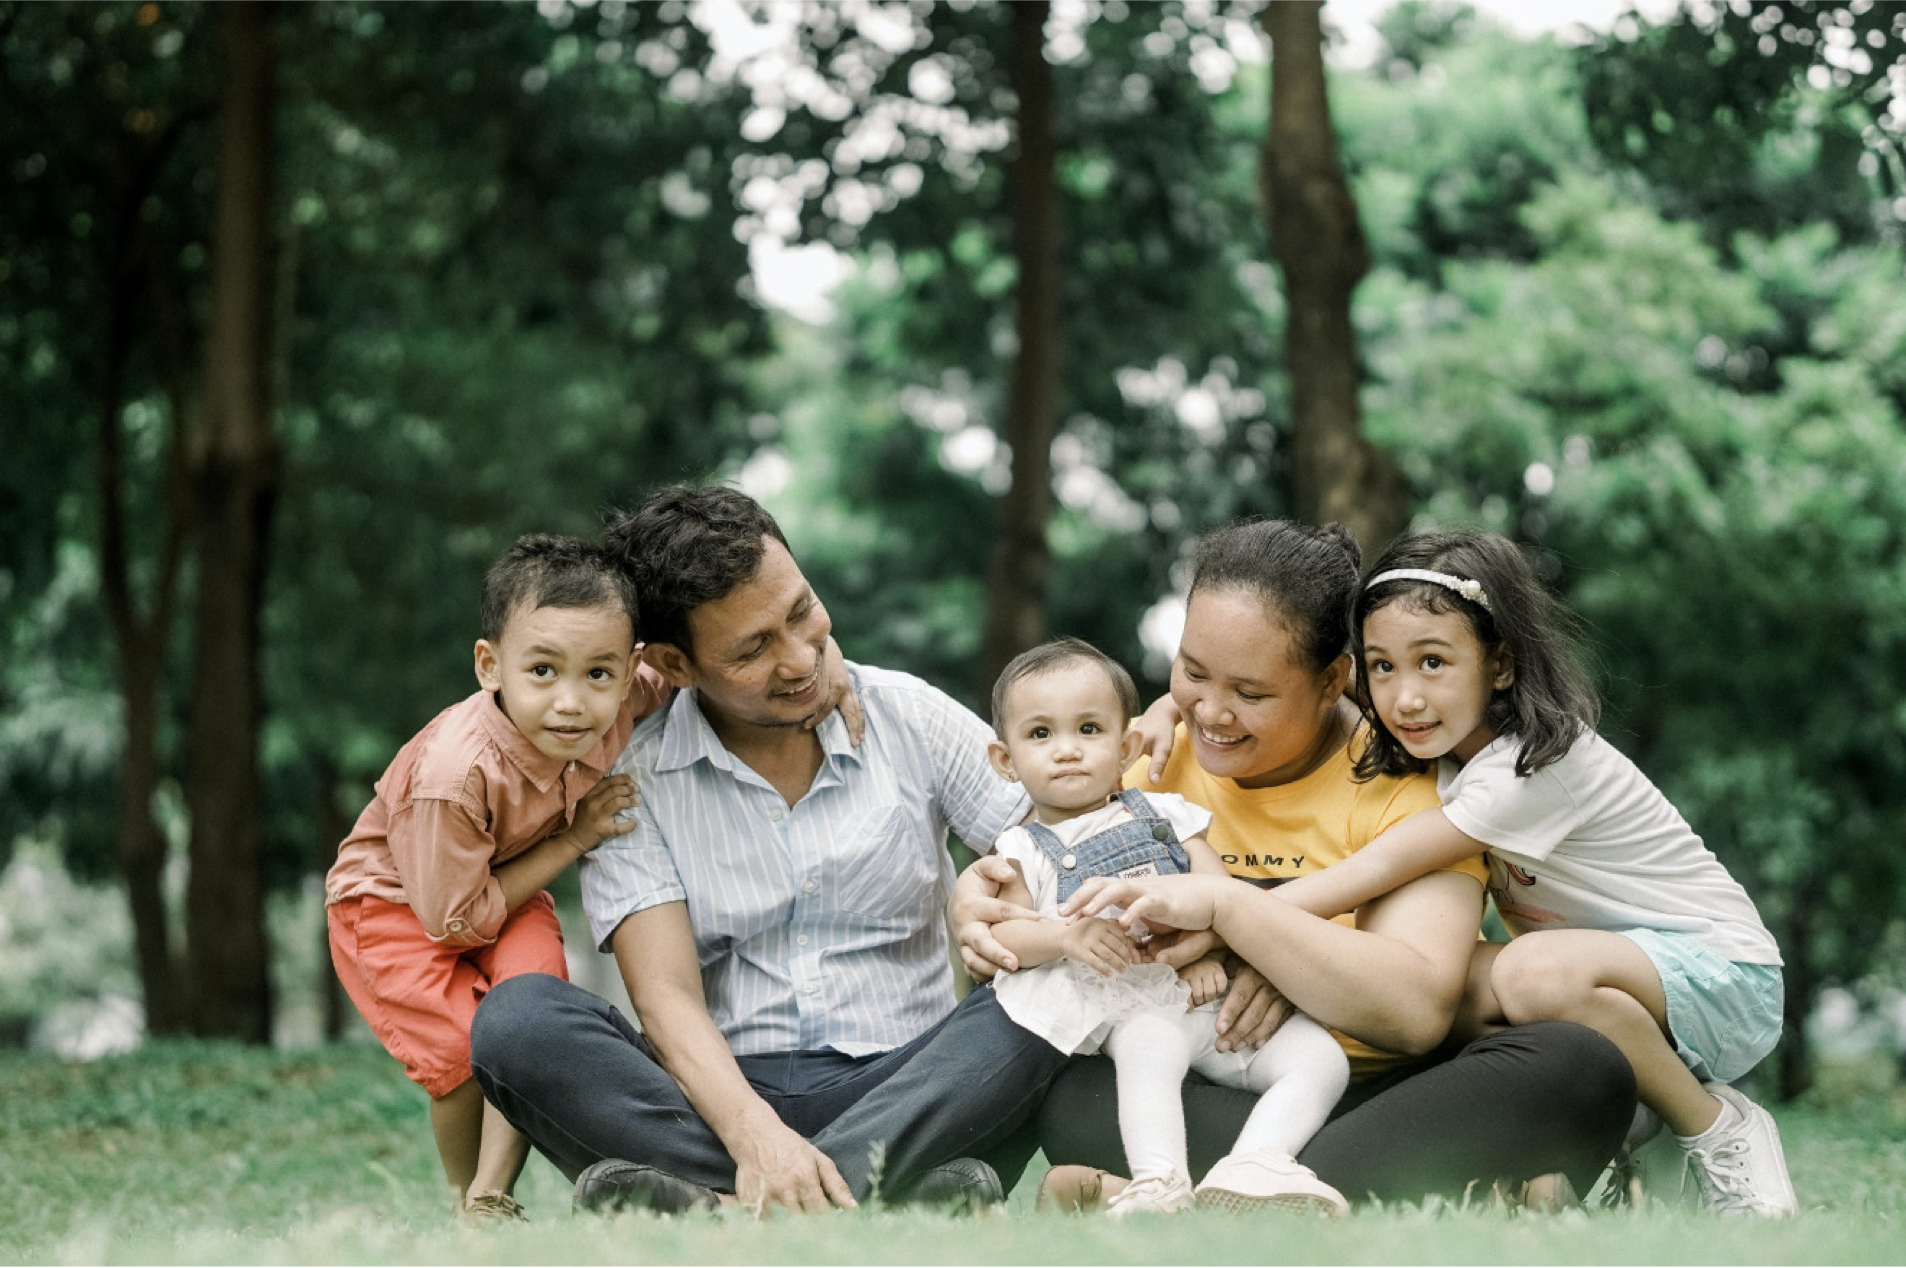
1061,711
1623,920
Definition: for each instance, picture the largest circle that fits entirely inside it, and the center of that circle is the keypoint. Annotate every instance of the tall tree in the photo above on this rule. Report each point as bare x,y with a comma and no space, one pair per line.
234,467
1022,558
1337,474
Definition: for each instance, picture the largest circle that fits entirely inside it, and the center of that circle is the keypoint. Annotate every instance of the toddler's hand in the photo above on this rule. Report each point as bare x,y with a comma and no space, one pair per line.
1099,944
1206,980
596,814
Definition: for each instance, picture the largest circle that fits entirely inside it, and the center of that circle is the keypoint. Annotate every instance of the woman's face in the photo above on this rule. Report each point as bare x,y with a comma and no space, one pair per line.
1254,714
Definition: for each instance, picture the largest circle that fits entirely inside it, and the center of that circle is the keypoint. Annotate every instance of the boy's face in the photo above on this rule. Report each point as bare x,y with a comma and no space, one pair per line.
1066,739
560,674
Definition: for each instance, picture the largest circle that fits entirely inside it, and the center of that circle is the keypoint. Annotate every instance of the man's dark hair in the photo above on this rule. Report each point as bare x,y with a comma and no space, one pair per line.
686,546
553,572
1047,657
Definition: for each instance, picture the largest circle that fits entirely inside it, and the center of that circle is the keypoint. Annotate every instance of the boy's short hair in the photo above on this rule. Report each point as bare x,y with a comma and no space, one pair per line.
1047,657
546,571
686,546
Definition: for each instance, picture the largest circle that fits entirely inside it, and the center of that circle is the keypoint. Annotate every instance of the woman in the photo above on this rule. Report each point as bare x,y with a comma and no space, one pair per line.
1267,743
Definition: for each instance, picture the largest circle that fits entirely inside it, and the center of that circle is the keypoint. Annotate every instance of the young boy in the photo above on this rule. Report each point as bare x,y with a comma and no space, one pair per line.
437,894
1062,712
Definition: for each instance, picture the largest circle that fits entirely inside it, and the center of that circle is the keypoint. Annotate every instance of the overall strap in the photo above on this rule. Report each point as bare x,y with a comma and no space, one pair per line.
1048,843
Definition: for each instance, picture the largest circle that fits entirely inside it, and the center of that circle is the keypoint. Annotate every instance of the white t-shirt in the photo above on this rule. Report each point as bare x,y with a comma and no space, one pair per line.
1588,842
1187,819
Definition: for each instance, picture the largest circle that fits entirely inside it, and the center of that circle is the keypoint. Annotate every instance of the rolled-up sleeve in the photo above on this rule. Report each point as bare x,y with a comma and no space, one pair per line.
443,853
977,803
628,873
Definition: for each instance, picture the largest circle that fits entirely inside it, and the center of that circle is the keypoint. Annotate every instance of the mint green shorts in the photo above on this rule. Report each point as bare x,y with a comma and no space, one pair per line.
1724,1015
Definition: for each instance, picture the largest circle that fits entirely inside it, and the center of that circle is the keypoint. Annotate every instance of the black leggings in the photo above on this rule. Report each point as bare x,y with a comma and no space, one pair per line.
1551,1096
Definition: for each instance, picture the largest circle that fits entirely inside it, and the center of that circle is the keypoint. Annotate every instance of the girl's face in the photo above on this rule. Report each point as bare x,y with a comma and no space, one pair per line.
1430,680
1255,715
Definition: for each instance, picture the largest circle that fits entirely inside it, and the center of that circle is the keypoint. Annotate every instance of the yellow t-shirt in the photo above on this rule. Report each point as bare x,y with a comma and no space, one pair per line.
1294,829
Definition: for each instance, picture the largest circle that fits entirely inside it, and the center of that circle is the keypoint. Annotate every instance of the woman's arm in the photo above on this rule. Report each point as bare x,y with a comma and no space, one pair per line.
1393,981
1423,843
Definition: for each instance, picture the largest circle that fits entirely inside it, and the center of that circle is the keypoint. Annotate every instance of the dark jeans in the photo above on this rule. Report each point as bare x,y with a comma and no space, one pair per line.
575,1077
1523,1102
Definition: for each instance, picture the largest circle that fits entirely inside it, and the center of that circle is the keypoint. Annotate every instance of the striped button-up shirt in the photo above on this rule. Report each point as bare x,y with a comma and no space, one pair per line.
818,925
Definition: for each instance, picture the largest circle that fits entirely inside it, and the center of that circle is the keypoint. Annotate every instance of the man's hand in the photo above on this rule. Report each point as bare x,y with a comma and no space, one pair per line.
776,1167
1157,729
1099,944
976,908
1205,977
595,820
843,698
1252,1012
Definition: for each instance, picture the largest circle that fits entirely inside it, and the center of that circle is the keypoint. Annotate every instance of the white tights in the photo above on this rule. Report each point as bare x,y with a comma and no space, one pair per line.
1301,1072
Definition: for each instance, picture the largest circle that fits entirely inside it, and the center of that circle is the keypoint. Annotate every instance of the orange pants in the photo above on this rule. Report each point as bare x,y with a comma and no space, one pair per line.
420,996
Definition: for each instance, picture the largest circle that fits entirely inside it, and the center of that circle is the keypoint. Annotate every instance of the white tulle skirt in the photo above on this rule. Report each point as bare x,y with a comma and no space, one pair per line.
1074,1008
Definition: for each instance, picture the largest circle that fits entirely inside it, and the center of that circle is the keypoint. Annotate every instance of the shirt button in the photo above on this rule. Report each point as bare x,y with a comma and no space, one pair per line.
456,926
777,814
812,988
810,887
801,941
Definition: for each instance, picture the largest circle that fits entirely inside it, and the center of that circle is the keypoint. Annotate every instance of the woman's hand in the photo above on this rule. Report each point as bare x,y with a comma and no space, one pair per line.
976,907
1162,902
843,698
1157,729
1099,944
1252,1012
1181,948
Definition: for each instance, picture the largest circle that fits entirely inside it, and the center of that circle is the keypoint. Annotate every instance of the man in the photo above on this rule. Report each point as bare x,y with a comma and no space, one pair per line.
776,913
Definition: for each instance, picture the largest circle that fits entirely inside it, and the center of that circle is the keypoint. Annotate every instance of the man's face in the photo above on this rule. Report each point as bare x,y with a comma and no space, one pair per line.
758,651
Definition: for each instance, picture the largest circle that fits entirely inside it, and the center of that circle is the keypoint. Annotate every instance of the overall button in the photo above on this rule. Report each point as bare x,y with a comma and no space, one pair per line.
1069,861
1161,832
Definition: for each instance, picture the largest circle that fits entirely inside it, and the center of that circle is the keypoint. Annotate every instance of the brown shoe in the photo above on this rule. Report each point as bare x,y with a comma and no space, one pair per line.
1072,1188
493,1208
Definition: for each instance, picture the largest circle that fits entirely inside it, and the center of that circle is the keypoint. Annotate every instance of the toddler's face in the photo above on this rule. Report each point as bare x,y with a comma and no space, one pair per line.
1066,740
561,674
1431,679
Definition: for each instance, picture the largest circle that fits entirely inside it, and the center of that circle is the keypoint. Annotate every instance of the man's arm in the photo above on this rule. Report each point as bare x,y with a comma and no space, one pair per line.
774,1165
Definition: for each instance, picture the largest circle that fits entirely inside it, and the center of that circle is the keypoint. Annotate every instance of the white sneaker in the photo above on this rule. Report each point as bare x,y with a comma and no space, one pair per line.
1742,1170
1166,1194
1257,1179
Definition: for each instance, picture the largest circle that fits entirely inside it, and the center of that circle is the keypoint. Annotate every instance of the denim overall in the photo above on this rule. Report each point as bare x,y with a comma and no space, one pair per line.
1146,838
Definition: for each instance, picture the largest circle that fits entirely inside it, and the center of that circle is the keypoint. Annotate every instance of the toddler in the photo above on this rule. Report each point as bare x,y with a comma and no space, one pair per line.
1061,713
437,894
1623,920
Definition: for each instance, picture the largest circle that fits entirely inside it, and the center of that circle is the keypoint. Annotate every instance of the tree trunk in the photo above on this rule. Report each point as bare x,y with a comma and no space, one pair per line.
235,480
1315,236
1022,559
140,645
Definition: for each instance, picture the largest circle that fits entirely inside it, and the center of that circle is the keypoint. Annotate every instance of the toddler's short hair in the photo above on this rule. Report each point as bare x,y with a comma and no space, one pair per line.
546,571
1047,657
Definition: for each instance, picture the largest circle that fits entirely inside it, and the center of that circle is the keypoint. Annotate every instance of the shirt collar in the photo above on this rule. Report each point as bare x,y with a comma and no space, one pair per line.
688,738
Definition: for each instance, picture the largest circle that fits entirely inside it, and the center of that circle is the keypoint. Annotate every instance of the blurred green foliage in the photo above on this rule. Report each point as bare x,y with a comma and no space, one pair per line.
1640,304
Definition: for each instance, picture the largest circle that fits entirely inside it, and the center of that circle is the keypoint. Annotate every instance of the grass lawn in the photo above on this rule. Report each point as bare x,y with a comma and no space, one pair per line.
196,1153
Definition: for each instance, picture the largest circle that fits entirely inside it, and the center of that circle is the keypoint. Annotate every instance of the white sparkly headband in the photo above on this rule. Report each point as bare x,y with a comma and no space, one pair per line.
1465,586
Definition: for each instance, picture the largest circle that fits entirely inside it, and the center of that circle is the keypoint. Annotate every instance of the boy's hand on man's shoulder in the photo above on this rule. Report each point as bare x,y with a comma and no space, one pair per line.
598,813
